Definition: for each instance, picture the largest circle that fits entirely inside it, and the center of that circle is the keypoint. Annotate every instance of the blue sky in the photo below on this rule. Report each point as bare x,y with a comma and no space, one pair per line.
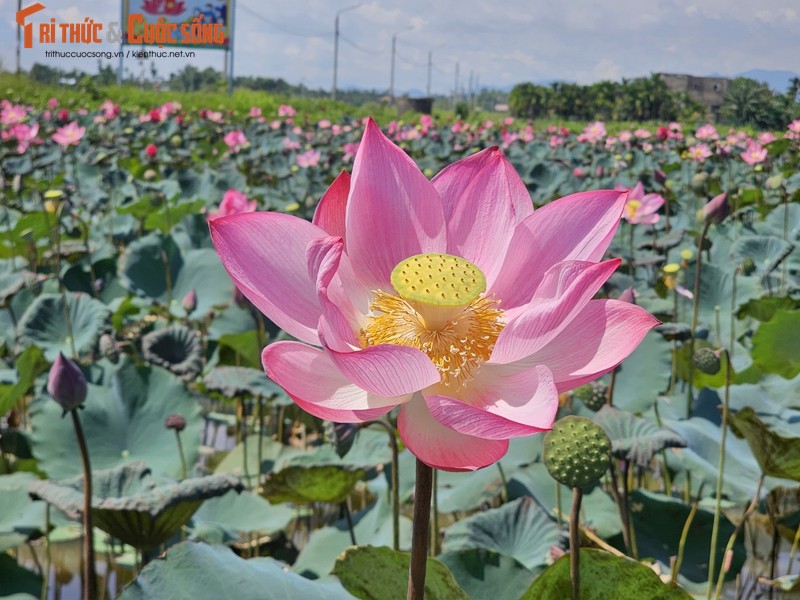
501,42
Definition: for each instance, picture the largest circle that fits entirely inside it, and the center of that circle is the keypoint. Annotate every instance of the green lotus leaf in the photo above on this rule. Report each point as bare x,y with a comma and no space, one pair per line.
301,484
519,529
241,381
29,364
487,575
202,572
236,516
775,347
634,439
777,455
371,526
599,511
375,573
16,582
603,577
45,325
123,420
20,517
644,374
176,348
131,505
649,513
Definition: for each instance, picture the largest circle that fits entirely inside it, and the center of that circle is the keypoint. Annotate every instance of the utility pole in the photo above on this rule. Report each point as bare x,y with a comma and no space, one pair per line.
394,53
336,46
19,39
455,89
430,68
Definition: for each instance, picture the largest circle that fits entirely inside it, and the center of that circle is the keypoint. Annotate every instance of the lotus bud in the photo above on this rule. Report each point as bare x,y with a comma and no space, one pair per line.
659,176
716,210
108,348
748,266
190,301
150,151
628,296
698,183
176,422
67,384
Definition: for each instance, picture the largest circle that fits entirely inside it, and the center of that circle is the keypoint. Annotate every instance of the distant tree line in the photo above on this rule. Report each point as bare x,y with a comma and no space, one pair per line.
749,102
641,99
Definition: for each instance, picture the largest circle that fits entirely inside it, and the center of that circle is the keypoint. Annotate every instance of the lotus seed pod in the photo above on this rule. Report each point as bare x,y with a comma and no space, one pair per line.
593,394
707,361
576,451
698,184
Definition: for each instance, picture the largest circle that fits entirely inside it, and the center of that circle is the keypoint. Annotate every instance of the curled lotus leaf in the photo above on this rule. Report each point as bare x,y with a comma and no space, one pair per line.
132,505
240,381
176,348
634,439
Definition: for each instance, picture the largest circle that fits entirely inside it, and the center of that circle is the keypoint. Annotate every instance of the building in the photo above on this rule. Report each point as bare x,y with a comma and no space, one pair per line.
708,91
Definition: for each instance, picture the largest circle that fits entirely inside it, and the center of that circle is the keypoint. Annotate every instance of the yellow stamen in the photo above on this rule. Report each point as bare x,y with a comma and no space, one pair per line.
631,207
440,310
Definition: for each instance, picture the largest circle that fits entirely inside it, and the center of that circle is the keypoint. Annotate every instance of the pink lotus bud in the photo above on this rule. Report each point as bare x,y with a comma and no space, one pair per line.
176,422
150,151
628,296
190,301
659,176
66,384
716,210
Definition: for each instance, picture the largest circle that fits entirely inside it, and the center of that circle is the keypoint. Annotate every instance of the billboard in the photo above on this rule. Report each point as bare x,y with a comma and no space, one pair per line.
197,23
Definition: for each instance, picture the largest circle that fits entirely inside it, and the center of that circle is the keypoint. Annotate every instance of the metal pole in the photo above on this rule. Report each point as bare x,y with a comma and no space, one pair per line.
335,55
391,80
121,42
19,38
232,39
430,68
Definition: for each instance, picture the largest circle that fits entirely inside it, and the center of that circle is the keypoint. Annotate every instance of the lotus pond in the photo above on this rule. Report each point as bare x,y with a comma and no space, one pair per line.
209,481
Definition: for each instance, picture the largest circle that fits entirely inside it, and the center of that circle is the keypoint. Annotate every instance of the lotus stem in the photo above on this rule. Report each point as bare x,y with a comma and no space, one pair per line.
793,552
695,315
682,544
89,574
181,454
346,510
420,532
732,540
575,542
558,502
623,514
712,559
47,555
435,516
384,423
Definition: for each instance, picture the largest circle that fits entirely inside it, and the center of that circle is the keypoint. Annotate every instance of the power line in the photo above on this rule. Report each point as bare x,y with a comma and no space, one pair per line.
280,27
360,48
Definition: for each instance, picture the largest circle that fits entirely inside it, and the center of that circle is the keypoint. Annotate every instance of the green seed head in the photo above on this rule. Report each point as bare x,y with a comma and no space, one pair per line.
577,451
593,394
438,279
707,361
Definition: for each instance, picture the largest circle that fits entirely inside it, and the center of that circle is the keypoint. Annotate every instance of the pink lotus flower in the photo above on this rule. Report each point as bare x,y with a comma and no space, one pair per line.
12,114
69,135
290,144
110,110
642,208
765,137
286,110
233,202
593,133
235,140
754,154
310,158
25,135
349,151
706,132
150,151
471,363
794,126
255,112
699,152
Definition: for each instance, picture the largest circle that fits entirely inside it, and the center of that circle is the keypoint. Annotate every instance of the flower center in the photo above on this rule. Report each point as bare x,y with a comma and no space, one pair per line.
631,207
440,309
